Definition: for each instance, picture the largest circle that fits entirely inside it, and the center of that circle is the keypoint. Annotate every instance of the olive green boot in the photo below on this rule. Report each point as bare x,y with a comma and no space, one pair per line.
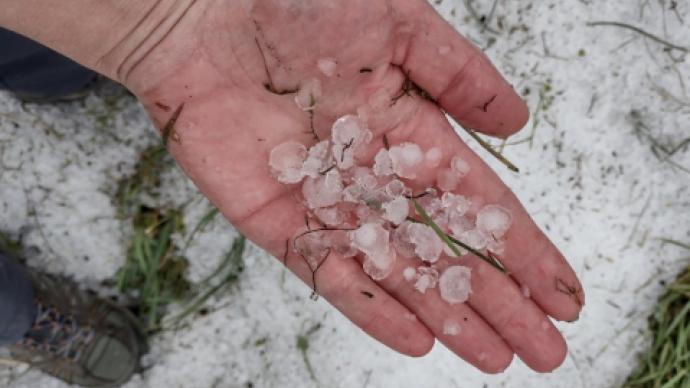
79,338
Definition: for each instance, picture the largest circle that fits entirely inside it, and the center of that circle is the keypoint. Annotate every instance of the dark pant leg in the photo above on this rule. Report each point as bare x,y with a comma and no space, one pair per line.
30,69
17,306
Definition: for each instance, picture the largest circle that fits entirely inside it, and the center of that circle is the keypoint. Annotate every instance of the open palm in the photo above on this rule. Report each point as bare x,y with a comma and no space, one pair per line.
235,65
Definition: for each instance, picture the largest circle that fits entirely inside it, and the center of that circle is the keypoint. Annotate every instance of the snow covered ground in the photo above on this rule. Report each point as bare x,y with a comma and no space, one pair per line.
604,100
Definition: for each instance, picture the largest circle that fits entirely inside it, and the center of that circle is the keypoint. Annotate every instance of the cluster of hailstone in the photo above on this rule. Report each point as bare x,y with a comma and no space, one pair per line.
368,210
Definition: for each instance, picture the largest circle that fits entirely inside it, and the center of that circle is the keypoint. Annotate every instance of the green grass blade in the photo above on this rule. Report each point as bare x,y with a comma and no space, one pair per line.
450,241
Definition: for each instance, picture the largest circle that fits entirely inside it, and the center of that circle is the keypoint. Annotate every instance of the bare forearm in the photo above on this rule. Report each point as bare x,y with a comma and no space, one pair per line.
109,36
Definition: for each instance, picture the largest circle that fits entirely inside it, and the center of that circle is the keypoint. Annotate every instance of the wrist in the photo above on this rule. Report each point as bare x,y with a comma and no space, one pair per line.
111,37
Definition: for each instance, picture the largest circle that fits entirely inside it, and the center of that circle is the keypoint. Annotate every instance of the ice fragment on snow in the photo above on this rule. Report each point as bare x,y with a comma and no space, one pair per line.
460,166
451,327
318,161
397,188
397,210
313,246
286,161
327,66
364,177
409,274
379,269
456,204
331,216
401,240
494,220
323,191
474,238
348,134
428,246
496,246
426,278
447,179
340,243
382,163
405,158
372,240
454,284
433,157
308,94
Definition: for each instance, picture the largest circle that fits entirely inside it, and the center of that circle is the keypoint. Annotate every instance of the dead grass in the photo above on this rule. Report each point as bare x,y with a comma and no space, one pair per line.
154,274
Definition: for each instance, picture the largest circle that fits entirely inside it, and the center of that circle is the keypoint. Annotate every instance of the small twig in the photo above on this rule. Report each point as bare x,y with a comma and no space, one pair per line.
311,125
417,196
482,20
641,32
270,86
314,293
485,106
492,151
324,172
487,20
346,147
571,291
408,87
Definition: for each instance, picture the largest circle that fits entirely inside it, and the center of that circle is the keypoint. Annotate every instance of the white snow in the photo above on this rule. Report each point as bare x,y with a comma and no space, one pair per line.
454,284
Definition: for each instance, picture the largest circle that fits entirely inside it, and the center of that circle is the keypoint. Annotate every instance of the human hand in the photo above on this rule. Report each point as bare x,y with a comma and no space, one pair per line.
234,66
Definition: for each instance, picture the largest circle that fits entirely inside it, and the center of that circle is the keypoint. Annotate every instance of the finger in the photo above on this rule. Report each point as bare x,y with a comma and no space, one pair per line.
533,261
340,281
456,74
477,342
516,317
